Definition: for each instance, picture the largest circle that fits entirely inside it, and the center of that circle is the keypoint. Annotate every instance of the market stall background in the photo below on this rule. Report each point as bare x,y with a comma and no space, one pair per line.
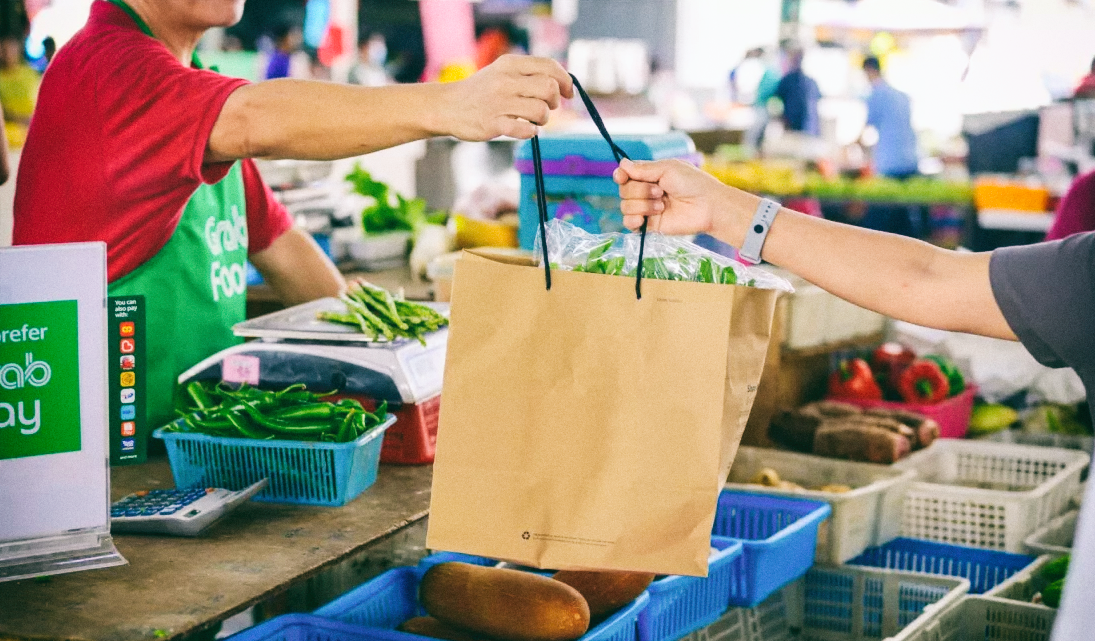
1000,140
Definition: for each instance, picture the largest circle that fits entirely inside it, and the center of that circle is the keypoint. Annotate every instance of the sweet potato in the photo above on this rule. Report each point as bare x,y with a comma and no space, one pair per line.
503,604
884,422
795,430
860,442
431,627
832,409
925,428
608,591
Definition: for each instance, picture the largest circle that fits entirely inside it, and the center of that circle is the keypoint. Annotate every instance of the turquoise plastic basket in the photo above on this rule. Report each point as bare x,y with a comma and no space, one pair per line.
678,604
300,472
779,537
304,627
392,598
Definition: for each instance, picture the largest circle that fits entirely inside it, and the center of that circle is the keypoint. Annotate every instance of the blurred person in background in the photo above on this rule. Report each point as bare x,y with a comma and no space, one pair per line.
1076,211
799,94
1086,88
370,70
137,146
287,40
50,47
18,82
754,82
889,113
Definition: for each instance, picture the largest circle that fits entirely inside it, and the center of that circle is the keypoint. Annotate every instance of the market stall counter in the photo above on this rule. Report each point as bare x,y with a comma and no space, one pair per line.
175,587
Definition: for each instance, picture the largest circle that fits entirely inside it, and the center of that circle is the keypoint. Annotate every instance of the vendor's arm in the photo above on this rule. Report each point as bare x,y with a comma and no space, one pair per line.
297,269
897,276
317,120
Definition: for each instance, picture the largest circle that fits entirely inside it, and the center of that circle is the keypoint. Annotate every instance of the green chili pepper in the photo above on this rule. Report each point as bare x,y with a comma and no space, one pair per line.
196,391
315,411
240,423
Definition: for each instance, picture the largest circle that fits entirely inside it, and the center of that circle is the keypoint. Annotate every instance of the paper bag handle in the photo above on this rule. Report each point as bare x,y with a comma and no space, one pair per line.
541,199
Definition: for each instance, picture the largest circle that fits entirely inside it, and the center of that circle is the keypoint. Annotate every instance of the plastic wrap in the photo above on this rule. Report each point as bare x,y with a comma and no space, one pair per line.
664,258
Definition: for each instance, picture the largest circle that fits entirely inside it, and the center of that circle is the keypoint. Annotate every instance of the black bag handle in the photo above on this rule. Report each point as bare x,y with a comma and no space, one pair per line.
541,200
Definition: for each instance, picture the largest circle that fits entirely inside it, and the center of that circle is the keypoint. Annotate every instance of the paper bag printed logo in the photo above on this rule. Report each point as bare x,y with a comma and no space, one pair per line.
39,379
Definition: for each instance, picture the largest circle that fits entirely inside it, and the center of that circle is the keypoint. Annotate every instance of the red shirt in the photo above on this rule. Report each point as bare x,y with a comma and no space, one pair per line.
1076,211
117,145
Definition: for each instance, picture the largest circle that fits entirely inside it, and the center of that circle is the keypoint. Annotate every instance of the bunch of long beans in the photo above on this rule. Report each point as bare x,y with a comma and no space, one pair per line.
381,316
293,414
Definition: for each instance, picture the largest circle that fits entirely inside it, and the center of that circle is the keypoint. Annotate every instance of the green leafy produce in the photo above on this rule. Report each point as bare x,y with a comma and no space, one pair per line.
381,316
1051,596
389,211
1056,569
1055,419
292,414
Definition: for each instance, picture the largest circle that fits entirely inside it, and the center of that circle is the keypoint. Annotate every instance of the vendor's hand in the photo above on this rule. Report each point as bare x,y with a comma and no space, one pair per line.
510,97
678,197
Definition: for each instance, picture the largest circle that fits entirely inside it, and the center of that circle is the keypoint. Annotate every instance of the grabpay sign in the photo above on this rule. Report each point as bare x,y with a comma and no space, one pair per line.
39,379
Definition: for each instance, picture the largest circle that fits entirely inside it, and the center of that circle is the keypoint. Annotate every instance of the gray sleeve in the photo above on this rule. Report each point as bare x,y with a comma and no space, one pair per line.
1047,294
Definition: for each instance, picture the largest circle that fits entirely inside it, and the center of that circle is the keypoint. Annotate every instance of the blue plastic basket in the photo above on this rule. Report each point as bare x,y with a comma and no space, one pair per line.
301,472
392,598
305,627
779,536
680,605
984,568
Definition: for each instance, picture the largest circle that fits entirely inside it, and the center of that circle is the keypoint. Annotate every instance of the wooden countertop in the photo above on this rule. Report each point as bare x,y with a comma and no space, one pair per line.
177,586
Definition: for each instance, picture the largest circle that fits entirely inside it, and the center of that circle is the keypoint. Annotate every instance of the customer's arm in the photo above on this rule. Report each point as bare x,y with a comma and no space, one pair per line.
894,275
297,269
318,120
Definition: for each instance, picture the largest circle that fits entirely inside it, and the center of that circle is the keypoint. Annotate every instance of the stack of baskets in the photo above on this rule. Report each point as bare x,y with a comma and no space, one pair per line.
930,549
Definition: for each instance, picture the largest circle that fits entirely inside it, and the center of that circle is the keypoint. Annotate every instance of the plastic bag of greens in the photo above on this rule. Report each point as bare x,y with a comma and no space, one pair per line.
664,258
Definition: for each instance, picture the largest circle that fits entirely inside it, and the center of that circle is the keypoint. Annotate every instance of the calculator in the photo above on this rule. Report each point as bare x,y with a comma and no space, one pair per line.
179,512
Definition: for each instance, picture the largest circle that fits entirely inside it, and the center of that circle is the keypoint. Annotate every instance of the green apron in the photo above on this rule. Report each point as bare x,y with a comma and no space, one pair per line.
195,288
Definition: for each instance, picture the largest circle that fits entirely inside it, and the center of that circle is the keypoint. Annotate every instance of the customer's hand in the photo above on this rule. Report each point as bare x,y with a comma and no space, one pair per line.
510,97
679,198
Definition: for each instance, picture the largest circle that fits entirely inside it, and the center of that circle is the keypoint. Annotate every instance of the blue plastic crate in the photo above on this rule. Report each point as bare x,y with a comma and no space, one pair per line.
305,627
680,605
984,568
392,598
779,536
303,472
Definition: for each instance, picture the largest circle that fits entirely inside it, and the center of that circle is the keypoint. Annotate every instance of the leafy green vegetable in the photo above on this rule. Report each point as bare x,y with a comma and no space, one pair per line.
384,216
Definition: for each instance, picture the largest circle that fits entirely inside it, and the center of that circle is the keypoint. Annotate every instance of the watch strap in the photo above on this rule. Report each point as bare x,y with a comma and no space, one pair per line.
758,231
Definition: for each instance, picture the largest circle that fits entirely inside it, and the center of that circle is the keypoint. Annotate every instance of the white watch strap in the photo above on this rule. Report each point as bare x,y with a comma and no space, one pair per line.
758,231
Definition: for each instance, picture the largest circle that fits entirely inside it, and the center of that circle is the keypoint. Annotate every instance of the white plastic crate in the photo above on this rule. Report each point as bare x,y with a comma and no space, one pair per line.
867,516
987,618
1054,537
841,603
989,495
1024,584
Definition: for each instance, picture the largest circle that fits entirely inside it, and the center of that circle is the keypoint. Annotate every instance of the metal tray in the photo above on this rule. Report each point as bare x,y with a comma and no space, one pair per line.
300,323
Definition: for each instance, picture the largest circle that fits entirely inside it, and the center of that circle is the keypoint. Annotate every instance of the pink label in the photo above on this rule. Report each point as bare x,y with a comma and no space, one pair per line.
238,368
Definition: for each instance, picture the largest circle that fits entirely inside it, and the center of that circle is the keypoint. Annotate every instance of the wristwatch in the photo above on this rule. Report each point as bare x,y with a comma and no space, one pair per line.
758,231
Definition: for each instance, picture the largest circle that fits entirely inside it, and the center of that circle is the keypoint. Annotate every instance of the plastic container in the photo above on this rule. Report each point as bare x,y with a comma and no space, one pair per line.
413,438
678,604
779,537
301,472
392,598
1015,489
379,251
304,627
952,414
1065,441
682,604
841,604
986,618
985,569
578,178
868,515
1024,584
1054,537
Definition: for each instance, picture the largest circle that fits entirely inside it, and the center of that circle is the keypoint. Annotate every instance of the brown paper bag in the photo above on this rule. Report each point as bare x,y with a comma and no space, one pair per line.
582,428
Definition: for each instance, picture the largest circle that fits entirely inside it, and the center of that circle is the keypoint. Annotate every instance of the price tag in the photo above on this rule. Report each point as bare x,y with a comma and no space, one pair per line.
239,368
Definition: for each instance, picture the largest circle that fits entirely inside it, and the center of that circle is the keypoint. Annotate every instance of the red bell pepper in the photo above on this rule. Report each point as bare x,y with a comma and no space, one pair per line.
923,382
888,361
853,379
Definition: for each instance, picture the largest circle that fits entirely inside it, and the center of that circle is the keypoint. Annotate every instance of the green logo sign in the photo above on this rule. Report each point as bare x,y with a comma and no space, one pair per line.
39,379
